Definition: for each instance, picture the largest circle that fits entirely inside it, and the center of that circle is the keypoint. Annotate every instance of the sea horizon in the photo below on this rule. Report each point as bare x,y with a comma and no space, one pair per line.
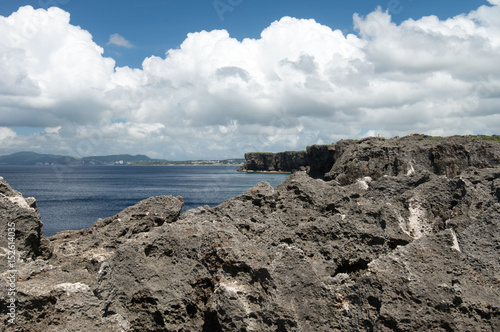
74,197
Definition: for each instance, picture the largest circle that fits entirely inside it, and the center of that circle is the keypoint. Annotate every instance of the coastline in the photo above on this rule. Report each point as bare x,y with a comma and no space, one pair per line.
264,172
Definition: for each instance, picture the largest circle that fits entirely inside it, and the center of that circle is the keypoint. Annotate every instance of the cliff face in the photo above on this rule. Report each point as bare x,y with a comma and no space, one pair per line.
317,159
413,248
347,160
275,162
320,159
377,157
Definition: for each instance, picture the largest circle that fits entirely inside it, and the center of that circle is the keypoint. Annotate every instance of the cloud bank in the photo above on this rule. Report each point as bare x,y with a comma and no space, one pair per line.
300,83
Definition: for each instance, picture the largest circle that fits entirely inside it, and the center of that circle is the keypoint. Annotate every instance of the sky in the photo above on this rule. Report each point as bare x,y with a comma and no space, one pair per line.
185,79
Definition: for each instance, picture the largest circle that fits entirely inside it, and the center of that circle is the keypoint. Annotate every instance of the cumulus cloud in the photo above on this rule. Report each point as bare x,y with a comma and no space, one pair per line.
7,134
300,83
118,40
52,72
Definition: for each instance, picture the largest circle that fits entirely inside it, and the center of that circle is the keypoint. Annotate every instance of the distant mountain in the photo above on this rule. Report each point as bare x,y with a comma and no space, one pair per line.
33,158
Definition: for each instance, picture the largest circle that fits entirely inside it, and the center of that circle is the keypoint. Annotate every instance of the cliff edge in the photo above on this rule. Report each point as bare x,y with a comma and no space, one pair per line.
317,160
347,160
397,239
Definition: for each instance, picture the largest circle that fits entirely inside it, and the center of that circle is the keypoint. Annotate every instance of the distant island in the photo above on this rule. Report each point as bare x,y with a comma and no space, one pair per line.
33,158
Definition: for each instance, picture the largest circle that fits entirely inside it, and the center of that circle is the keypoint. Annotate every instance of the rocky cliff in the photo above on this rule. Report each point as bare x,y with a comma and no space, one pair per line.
317,160
274,162
347,160
402,237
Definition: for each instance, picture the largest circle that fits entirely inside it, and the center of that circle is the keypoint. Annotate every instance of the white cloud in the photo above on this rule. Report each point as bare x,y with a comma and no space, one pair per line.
52,72
118,40
6,134
300,83
53,130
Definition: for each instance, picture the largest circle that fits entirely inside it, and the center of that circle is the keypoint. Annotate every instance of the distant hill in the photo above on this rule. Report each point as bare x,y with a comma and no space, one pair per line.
116,158
33,158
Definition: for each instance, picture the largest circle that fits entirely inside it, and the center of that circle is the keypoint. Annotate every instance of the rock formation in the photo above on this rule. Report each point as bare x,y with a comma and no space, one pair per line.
399,238
317,160
274,162
347,160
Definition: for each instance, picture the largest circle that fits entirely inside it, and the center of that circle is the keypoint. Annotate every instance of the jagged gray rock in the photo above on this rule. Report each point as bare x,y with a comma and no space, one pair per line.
376,157
23,215
275,162
397,250
348,160
317,160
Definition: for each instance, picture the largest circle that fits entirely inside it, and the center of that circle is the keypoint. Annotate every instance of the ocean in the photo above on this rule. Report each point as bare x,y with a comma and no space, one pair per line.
75,197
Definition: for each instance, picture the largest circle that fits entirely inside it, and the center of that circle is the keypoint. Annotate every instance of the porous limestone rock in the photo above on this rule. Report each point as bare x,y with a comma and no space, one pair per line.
19,214
347,160
402,251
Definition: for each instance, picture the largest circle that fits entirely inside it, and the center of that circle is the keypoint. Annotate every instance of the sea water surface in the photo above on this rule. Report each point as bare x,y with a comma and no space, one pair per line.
75,197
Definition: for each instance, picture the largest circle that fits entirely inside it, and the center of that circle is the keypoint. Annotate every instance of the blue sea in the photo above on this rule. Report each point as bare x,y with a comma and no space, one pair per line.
75,197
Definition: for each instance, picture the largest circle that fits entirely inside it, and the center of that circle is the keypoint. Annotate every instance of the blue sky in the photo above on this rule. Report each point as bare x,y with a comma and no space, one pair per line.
154,26
184,79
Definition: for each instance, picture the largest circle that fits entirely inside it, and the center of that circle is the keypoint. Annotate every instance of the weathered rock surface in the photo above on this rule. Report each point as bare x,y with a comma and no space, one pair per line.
23,216
317,160
348,160
274,162
376,157
396,250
